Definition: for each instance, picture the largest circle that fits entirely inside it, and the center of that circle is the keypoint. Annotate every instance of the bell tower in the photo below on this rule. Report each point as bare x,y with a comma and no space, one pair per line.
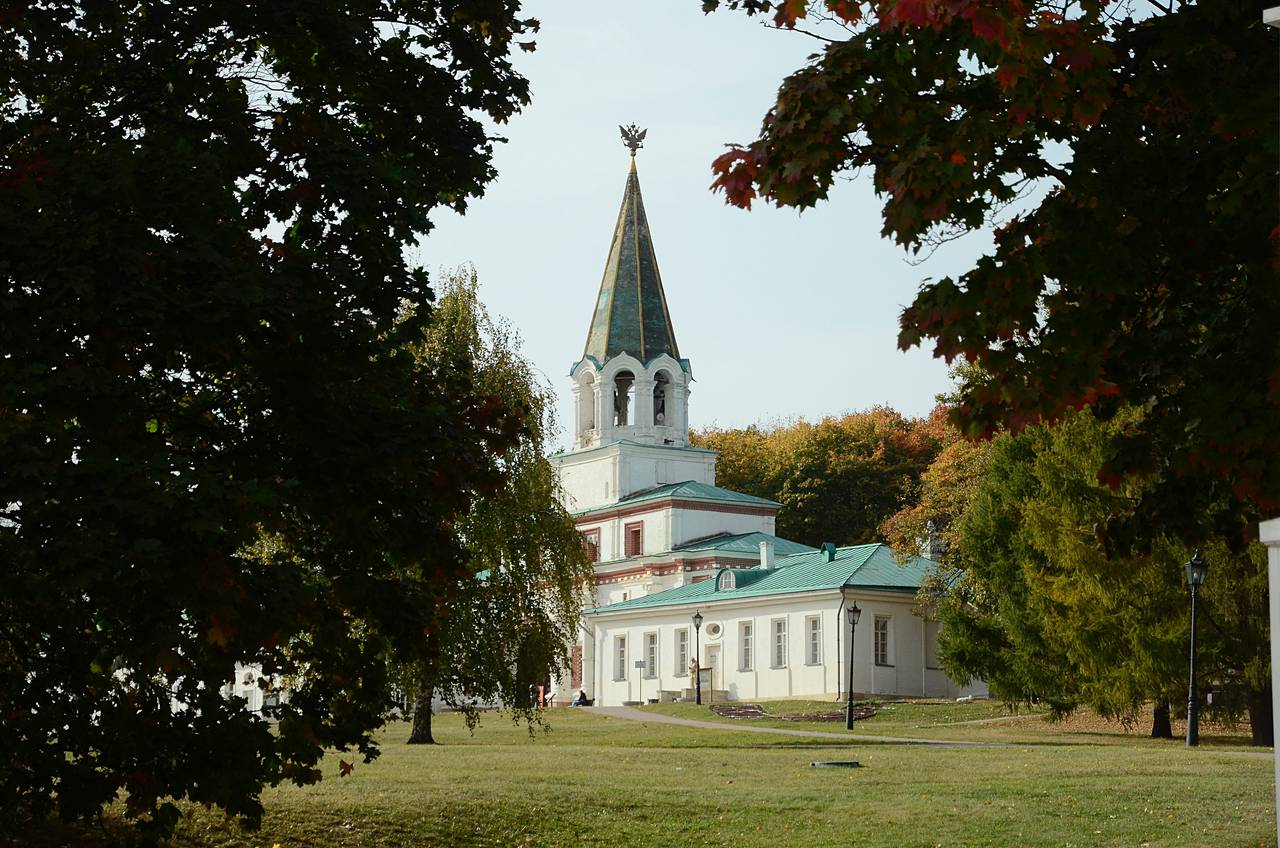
631,383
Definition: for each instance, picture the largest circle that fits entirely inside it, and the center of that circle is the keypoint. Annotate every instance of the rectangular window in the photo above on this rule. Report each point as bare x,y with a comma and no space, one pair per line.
634,538
931,644
813,645
651,655
619,657
779,643
744,639
682,652
591,543
883,650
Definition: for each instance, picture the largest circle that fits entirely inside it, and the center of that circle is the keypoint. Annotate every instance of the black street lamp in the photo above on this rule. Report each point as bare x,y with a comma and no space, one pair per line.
697,662
1196,570
854,613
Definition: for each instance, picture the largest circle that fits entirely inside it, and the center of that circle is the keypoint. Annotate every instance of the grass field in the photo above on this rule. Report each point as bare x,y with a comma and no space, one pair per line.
974,721
599,781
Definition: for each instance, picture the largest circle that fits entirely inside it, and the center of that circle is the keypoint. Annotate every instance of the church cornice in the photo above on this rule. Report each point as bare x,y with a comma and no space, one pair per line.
605,513
617,443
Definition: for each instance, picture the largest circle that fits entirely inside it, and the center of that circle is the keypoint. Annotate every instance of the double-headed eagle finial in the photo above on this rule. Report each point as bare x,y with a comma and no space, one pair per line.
633,137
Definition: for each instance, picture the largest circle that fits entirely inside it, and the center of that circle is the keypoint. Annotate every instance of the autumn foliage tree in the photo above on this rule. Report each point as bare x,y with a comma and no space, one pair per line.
1145,274
1035,605
838,479
214,446
505,624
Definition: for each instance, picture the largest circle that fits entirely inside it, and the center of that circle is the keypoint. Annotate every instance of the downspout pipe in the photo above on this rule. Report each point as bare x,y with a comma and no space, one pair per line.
839,618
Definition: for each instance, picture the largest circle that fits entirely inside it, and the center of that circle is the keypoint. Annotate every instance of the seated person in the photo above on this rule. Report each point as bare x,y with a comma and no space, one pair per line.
579,700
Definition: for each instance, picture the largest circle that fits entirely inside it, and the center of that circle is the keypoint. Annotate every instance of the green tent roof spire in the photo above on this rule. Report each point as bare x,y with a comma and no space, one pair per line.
631,309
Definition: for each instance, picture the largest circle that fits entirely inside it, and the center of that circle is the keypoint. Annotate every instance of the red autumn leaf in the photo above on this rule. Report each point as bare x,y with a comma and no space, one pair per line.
906,13
1007,76
987,25
345,768
789,11
958,158
735,176
1077,57
1021,112
846,11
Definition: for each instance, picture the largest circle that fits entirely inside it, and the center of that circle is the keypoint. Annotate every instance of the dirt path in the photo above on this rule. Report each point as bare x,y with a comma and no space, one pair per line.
632,714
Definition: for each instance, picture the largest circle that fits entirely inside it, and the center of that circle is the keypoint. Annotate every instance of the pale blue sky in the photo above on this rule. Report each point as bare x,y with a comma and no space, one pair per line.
781,314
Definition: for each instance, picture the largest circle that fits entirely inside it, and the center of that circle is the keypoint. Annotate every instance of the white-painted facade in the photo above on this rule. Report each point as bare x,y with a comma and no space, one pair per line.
647,506
798,648
600,476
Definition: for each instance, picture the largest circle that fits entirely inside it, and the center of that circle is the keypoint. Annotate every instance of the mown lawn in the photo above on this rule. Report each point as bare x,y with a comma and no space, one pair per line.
972,721
598,781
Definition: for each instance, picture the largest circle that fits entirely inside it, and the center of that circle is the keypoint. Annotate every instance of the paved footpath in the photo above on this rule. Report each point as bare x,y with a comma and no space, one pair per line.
632,714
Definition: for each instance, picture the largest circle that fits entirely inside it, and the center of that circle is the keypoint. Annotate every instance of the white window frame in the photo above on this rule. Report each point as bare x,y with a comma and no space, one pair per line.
746,645
778,629
619,658
651,654
882,645
813,640
682,652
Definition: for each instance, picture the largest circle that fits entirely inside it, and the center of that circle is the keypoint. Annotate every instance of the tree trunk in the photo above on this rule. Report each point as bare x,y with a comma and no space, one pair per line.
1260,725
421,732
1161,728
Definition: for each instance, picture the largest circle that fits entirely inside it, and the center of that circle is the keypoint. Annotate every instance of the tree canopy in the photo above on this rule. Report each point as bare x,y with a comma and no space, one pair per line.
1034,604
505,625
838,479
1144,274
214,447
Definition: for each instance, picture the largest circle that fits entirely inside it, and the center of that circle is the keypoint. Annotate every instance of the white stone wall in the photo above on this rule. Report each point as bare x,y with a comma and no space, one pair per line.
664,528
690,524
597,477
906,676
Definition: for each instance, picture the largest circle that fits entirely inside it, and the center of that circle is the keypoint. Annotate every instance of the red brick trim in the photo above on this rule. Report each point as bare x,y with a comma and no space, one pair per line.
632,527
591,541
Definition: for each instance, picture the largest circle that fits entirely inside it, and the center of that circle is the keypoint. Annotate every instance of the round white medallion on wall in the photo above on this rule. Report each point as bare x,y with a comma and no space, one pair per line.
713,631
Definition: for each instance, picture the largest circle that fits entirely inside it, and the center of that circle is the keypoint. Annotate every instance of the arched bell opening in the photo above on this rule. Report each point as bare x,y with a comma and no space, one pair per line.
624,395
663,400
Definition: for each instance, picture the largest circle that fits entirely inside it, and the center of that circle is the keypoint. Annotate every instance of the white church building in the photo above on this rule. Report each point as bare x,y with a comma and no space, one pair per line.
668,543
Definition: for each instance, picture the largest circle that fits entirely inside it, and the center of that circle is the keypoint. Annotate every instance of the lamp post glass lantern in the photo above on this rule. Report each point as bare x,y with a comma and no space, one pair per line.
697,661
1197,568
853,614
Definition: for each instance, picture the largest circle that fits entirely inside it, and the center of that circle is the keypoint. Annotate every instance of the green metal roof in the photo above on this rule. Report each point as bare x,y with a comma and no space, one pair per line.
726,543
688,490
631,310
693,490
861,566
